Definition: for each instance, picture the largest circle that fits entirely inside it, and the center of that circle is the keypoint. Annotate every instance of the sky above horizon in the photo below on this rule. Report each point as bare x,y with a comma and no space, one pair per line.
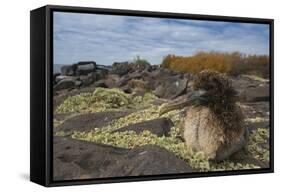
107,38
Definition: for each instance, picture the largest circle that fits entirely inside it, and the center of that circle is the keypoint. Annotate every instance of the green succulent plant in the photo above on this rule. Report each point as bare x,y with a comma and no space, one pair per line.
104,99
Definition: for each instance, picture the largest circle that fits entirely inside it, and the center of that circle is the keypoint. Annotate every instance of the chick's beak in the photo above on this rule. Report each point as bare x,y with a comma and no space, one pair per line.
192,96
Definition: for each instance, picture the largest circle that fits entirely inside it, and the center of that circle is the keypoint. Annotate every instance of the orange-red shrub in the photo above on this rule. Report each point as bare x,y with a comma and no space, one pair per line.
233,63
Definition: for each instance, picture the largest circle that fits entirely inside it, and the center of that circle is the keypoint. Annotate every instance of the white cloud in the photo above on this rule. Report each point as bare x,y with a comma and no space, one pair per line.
106,39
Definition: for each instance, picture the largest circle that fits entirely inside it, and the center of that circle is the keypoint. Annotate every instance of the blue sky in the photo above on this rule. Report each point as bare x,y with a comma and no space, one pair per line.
106,39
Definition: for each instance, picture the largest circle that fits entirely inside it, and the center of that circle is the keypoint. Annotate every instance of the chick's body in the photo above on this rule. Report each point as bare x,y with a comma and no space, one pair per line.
205,131
214,123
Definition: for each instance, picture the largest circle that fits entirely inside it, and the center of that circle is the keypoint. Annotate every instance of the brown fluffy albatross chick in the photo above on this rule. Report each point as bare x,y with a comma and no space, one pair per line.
213,122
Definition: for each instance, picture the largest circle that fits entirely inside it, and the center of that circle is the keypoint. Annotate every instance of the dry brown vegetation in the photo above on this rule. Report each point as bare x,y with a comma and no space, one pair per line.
234,63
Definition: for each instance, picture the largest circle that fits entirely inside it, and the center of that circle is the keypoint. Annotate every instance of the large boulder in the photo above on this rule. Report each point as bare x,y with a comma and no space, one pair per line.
108,82
252,126
256,94
246,159
169,84
74,159
55,75
138,85
68,70
171,88
159,127
89,121
142,78
92,77
80,68
79,75
123,68
87,79
100,74
250,89
111,80
100,83
65,83
256,109
126,78
61,77
85,67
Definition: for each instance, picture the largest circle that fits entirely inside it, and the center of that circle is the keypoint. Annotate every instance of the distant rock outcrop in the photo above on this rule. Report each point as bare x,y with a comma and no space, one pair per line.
127,76
77,75
123,68
141,78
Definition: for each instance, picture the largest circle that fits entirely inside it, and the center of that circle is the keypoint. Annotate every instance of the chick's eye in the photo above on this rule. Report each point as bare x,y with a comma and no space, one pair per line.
208,87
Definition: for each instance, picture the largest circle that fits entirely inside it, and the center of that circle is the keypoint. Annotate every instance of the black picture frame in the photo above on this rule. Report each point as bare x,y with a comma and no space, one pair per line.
41,112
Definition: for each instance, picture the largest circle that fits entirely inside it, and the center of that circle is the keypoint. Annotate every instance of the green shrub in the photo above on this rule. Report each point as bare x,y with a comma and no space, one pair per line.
139,61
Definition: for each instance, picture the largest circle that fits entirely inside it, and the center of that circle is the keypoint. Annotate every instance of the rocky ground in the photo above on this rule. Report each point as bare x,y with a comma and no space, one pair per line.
107,123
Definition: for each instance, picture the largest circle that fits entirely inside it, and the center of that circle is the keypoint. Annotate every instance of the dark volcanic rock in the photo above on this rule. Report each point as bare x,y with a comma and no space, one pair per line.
255,125
92,77
169,84
127,89
74,159
85,67
171,88
111,80
86,73
100,83
256,109
87,122
256,94
58,100
100,74
62,116
251,160
123,68
158,127
66,83
142,78
243,158
87,79
55,75
126,78
68,70
62,77
251,90
138,86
